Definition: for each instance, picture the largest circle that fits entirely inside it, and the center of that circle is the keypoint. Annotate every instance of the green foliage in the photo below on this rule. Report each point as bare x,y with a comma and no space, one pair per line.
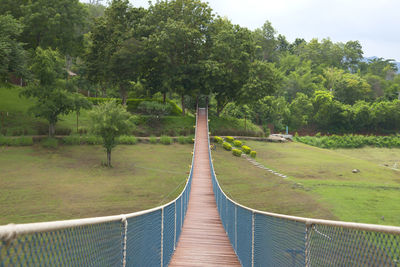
253,154
109,121
72,139
236,152
218,140
16,141
165,140
190,139
227,146
350,141
229,139
154,108
49,143
237,143
246,149
181,140
153,140
127,140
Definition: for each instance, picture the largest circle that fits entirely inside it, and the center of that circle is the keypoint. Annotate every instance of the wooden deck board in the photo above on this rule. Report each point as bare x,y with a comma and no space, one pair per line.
203,241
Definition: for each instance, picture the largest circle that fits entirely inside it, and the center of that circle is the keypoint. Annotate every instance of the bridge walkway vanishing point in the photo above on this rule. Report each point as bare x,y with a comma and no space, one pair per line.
203,240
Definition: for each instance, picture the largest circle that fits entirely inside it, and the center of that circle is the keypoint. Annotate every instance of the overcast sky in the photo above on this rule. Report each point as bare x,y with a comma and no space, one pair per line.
375,23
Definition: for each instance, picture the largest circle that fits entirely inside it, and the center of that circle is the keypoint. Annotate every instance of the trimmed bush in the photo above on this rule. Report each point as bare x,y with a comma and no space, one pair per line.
253,154
227,146
190,139
165,140
92,140
237,143
181,140
63,131
229,139
72,140
154,108
246,149
17,141
49,143
82,130
153,140
218,140
127,140
237,152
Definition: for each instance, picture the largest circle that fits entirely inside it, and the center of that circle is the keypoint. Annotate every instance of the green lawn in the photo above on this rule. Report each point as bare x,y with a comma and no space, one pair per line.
40,185
324,176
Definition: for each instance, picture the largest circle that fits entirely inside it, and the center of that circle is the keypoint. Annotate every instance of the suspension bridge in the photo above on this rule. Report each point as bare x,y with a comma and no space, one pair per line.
201,227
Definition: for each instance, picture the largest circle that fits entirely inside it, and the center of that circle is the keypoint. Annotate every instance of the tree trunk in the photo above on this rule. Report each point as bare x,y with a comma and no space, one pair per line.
108,157
124,95
245,123
183,105
52,129
164,97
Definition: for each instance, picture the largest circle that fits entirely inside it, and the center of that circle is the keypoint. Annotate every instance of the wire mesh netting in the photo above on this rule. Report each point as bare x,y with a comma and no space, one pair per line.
338,246
91,245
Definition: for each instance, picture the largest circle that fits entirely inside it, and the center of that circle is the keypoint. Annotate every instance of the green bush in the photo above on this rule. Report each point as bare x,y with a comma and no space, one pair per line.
229,139
350,141
218,140
72,140
227,146
82,130
92,140
165,140
127,140
237,143
5,141
154,108
190,139
63,131
16,141
253,154
181,140
246,149
153,140
49,143
236,152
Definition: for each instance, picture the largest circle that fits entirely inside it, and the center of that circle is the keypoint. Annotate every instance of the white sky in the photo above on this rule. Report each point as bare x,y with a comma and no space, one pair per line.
375,23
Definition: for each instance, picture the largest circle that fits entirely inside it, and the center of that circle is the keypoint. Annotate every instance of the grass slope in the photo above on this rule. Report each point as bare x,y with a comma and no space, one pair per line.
40,185
325,176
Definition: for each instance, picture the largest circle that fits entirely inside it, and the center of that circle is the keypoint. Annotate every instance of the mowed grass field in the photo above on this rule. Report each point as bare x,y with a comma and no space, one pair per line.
37,184
320,183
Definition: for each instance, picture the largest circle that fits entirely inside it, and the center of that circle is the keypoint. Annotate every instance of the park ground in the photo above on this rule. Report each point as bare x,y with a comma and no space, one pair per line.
320,182
38,184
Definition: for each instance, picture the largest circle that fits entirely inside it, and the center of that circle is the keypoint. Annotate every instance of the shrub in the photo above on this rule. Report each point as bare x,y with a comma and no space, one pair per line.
236,152
5,141
82,130
246,149
72,140
154,108
93,140
25,141
190,139
267,131
49,143
153,140
165,140
229,139
127,140
218,140
17,141
63,131
227,146
253,154
237,143
181,140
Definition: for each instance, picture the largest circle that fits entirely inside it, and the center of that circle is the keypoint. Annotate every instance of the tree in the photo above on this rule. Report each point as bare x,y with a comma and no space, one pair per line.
13,58
231,50
267,42
301,110
351,87
110,120
49,88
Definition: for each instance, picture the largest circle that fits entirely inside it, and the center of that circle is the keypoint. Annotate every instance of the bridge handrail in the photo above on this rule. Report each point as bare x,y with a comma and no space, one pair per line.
11,233
369,235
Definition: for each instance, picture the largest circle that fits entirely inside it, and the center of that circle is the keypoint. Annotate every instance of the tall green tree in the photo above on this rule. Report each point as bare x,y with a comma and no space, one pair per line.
49,88
110,120
13,58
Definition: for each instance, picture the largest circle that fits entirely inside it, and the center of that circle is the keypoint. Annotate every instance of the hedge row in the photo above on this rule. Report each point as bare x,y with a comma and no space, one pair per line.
350,141
133,104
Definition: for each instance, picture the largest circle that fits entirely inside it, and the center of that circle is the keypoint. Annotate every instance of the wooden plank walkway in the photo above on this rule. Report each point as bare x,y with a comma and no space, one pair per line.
203,241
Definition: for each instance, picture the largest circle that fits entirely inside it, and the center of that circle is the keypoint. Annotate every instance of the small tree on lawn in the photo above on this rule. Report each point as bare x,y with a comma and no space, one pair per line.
110,120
